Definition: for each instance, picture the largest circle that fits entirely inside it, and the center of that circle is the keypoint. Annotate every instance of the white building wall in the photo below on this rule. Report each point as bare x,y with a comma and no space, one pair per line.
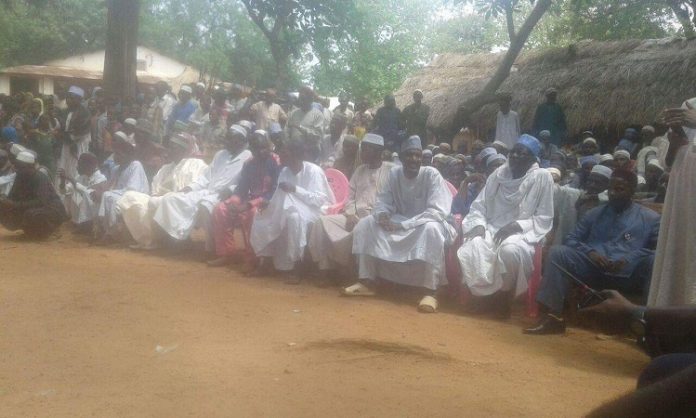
4,84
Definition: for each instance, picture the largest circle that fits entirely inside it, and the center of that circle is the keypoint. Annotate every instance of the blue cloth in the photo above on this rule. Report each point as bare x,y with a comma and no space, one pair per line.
9,134
627,235
181,112
627,145
258,179
462,204
531,143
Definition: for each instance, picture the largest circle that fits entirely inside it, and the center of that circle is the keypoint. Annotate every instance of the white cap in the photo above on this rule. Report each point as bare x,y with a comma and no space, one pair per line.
602,170
26,157
130,121
622,153
76,91
200,84
125,138
373,139
186,88
592,140
179,140
15,149
605,157
655,163
554,170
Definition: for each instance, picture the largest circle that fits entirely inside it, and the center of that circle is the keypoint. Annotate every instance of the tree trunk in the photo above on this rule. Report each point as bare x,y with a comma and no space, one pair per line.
282,64
120,60
487,94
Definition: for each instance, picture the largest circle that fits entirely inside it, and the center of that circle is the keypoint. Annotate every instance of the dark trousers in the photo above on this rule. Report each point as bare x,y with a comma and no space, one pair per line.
665,366
36,223
556,284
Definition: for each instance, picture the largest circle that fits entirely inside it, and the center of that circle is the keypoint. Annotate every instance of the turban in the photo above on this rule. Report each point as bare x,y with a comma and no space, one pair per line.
531,143
374,139
602,170
412,142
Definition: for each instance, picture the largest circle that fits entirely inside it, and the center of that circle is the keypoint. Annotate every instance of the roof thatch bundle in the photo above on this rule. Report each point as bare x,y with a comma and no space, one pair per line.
603,86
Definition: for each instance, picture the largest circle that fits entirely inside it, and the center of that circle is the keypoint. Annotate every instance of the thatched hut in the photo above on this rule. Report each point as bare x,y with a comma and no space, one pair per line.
603,86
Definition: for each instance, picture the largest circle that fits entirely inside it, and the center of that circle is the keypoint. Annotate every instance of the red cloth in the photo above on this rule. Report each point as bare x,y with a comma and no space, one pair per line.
225,222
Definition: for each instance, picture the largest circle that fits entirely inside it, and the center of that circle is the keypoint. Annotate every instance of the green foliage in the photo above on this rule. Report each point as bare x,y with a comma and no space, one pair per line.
32,32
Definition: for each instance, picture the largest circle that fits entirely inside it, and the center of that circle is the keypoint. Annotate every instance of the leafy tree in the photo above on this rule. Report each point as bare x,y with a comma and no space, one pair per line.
291,25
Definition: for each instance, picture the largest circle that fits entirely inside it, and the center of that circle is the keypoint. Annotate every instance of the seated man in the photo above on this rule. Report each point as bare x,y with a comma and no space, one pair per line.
138,209
128,175
331,241
257,183
513,213
611,247
32,205
280,230
404,239
79,192
178,213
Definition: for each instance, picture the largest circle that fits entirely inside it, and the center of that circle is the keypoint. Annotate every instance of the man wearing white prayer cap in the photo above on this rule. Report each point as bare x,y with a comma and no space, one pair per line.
512,213
595,191
607,160
32,204
622,158
589,146
403,239
77,134
138,209
178,213
652,178
280,232
331,239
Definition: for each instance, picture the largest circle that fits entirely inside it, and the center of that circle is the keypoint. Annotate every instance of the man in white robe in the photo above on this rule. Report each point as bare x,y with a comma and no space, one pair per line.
404,239
512,213
77,134
331,238
129,175
280,231
674,272
178,213
138,209
77,193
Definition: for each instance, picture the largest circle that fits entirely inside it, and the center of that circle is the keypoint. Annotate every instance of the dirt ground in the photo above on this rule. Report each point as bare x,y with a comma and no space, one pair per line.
104,332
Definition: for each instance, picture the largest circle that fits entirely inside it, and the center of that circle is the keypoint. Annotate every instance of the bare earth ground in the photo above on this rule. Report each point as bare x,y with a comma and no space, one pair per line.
102,332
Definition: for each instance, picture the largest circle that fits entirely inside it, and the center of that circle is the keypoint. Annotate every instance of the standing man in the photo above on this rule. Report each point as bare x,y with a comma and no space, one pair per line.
306,123
507,126
344,109
76,136
674,277
32,205
331,239
512,213
403,240
267,111
160,108
280,231
387,123
550,116
612,247
414,117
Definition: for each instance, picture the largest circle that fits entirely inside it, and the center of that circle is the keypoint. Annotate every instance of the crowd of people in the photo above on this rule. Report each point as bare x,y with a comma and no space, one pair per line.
148,173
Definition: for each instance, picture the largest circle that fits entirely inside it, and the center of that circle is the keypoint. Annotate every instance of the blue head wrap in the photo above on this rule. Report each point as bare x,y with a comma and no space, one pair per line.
588,159
531,143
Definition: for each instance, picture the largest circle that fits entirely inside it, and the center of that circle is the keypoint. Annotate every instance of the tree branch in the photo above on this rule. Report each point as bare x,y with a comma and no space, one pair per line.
683,17
257,19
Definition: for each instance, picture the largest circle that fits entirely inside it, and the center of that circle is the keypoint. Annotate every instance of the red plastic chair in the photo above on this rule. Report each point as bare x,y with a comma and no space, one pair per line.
534,282
341,189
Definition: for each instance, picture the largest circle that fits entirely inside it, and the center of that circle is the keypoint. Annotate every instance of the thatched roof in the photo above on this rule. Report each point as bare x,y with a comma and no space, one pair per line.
603,86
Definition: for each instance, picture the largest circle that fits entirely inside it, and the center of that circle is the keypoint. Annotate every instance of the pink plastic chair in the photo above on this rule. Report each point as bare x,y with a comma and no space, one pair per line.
341,189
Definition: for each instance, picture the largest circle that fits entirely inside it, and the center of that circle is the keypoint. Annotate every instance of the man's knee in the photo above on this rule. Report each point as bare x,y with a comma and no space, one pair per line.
510,252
